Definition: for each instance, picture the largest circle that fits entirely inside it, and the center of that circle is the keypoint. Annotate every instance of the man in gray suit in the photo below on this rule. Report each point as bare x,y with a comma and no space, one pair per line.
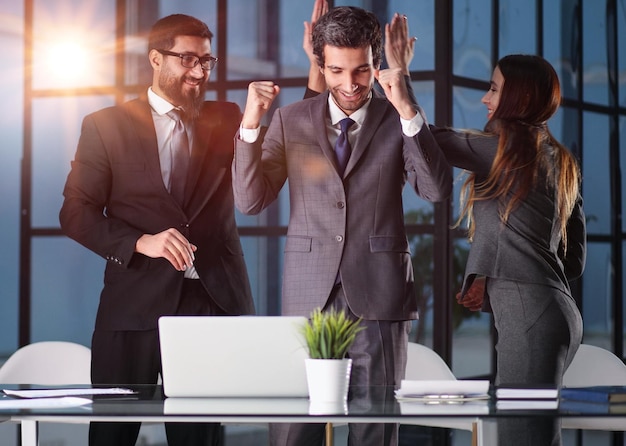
346,244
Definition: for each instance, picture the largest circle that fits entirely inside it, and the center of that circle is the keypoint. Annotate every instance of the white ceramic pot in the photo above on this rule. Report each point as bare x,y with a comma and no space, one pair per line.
328,379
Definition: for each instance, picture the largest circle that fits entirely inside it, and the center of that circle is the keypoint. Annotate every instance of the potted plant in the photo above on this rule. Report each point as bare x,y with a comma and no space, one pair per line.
328,336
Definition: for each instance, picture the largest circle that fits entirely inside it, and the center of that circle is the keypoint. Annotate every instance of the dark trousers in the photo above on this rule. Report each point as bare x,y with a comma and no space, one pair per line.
133,357
378,359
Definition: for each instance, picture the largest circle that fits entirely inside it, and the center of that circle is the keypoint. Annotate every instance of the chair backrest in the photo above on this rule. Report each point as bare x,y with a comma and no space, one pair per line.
424,363
594,366
48,363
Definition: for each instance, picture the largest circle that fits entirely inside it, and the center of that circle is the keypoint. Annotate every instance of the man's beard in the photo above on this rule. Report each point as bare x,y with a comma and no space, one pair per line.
190,101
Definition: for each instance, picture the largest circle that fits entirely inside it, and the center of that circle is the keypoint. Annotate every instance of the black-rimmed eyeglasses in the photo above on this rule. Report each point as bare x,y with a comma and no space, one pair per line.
190,61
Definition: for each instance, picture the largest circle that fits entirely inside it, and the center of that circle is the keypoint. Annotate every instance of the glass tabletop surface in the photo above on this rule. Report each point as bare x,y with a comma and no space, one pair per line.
364,402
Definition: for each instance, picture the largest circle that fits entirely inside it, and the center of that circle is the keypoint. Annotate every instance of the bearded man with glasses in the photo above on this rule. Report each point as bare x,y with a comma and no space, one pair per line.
150,191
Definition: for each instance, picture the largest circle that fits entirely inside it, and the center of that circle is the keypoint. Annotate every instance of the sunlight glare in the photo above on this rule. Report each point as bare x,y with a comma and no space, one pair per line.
67,61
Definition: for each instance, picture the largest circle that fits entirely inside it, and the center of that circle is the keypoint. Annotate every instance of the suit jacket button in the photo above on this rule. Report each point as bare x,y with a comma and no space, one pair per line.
340,205
339,238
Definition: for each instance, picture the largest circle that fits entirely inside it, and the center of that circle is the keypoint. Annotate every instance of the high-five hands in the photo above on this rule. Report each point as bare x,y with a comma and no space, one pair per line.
399,47
319,9
316,80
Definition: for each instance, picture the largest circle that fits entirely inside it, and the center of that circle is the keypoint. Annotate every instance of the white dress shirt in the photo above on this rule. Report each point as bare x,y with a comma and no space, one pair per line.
164,126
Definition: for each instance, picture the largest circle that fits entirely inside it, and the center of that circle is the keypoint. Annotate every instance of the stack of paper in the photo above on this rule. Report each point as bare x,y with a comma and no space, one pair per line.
52,393
521,398
54,398
43,403
527,393
444,397
443,390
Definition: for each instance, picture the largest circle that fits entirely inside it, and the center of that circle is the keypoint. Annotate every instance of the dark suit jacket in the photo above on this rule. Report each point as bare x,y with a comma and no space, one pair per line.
115,193
354,225
528,248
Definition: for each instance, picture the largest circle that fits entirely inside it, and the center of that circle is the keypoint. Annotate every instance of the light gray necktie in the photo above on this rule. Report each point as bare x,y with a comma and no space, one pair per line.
180,157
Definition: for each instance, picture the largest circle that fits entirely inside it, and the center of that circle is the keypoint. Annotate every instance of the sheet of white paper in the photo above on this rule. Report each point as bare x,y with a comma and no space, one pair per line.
48,393
526,404
526,393
442,389
43,403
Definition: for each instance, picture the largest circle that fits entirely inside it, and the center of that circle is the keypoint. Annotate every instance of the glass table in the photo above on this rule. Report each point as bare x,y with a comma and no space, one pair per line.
380,406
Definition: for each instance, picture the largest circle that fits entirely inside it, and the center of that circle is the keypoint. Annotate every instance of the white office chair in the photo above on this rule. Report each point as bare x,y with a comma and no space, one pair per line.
424,363
594,366
48,363
59,363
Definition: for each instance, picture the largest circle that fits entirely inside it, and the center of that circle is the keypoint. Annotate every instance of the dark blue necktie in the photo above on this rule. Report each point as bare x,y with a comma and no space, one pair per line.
180,157
342,146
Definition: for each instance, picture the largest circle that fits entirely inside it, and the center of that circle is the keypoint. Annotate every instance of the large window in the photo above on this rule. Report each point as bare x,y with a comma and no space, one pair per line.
51,285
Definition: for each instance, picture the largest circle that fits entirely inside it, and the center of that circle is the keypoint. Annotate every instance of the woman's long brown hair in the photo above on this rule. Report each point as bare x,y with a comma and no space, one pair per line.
531,94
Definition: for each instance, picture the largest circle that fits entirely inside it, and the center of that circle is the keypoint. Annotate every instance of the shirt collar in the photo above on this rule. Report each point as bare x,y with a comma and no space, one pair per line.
158,104
336,114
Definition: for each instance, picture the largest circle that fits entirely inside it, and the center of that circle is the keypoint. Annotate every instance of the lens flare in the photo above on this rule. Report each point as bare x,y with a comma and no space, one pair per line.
66,61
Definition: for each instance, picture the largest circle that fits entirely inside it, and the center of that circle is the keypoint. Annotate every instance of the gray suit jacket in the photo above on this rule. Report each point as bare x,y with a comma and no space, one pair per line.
528,248
352,225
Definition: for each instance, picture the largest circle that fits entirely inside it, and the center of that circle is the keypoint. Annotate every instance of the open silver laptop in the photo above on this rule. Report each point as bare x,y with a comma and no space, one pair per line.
233,356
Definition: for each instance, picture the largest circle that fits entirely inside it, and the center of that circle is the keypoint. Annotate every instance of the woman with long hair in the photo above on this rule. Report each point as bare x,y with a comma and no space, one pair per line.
526,225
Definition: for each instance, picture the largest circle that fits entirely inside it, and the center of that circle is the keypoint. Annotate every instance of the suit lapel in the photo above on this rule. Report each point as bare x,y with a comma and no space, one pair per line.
204,167
319,118
140,117
199,154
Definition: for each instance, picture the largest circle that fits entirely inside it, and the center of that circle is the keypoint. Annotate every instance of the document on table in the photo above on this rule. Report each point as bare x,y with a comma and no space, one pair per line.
443,390
527,404
43,403
521,398
520,393
56,393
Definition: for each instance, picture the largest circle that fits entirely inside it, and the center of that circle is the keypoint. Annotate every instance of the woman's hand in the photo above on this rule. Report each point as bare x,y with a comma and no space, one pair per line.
474,296
316,79
399,47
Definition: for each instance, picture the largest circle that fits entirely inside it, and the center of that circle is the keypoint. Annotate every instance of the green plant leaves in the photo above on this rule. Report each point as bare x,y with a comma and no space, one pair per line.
329,334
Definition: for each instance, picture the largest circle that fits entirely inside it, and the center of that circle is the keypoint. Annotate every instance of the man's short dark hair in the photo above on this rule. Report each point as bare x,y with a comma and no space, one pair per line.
165,30
348,27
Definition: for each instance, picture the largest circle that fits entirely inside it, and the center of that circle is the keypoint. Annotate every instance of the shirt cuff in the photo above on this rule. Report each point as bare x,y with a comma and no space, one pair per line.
411,127
249,135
